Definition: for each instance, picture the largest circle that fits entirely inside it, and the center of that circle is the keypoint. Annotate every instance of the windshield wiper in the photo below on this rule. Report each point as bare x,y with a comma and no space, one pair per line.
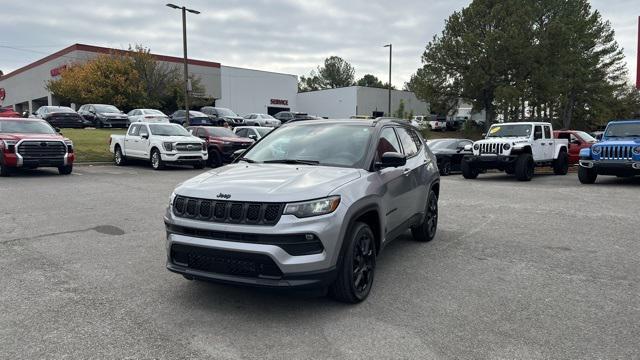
250,161
293,161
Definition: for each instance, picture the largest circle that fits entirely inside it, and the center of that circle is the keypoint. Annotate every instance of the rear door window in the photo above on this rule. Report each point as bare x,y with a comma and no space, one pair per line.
133,130
388,142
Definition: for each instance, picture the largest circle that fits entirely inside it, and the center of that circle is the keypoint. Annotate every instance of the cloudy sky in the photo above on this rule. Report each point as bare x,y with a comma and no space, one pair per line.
291,36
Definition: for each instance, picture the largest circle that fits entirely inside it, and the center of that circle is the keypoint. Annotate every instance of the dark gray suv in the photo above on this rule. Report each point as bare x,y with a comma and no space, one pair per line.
311,204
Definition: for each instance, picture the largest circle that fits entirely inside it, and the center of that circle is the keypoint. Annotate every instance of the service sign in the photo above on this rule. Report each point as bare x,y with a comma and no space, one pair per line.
279,102
57,71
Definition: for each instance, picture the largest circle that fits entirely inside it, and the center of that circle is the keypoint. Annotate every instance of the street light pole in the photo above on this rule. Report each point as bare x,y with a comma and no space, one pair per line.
390,46
184,47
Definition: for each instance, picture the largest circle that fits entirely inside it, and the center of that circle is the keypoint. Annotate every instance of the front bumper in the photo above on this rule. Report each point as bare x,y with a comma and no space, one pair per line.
604,167
490,161
192,157
311,270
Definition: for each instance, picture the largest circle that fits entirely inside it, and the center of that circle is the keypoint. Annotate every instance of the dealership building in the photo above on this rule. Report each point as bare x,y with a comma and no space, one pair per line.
243,90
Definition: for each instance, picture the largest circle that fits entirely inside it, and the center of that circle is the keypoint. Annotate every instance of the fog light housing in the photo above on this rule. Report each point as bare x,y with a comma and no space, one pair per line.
506,147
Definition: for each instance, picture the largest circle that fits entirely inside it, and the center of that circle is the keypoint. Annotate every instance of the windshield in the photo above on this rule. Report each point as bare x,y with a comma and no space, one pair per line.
195,114
267,116
586,137
61,109
263,131
168,130
323,144
153,112
221,132
505,130
25,127
442,144
623,130
106,109
225,112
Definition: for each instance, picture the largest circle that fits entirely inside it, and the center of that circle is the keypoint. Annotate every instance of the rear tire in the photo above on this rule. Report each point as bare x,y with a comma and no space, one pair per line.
469,171
156,160
426,231
561,164
355,275
65,170
587,176
445,170
525,167
118,157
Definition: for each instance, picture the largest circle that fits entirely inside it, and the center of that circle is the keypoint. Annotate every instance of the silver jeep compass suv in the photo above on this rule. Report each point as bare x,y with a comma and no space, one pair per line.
311,204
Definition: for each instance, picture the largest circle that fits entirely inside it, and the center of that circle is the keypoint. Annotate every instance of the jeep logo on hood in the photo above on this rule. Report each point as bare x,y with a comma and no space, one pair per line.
223,196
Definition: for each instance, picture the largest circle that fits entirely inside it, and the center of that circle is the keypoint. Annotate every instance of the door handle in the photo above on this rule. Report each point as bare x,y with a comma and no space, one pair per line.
543,144
406,171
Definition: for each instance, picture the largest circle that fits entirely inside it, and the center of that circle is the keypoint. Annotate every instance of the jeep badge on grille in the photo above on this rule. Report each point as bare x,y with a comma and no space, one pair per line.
223,196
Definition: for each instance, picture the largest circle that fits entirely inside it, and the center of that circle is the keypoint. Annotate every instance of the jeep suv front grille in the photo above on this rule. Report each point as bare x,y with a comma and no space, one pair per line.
227,211
616,152
491,148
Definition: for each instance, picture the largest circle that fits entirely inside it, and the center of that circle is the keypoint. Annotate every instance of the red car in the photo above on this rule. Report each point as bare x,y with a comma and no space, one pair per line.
33,143
577,140
9,113
221,142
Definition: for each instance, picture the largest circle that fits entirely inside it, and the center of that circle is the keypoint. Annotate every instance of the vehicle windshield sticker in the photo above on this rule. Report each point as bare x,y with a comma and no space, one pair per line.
494,129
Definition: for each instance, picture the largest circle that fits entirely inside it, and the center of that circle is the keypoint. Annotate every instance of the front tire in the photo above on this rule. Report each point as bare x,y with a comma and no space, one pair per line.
525,167
445,170
586,175
561,164
469,171
355,275
426,231
4,170
65,170
156,160
215,158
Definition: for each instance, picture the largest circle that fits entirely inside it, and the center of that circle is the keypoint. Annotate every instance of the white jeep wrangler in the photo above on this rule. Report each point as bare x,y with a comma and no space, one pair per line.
517,148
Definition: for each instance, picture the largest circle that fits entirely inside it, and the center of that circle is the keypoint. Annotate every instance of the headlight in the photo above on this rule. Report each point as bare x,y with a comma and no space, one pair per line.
596,149
9,145
313,207
476,147
168,146
636,150
69,144
506,147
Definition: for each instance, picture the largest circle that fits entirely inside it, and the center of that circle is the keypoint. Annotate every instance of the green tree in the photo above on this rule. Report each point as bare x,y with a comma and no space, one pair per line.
335,73
400,113
369,80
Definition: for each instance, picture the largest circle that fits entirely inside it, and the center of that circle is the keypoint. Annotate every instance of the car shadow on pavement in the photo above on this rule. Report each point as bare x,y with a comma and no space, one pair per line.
29,173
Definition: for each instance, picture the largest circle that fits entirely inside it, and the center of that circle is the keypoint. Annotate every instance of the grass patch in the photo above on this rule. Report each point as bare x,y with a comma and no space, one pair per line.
91,144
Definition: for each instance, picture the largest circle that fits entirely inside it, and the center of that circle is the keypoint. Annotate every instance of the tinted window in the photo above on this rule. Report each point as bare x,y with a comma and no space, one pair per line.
547,132
408,144
442,144
388,142
106,109
133,130
168,130
537,133
416,139
242,132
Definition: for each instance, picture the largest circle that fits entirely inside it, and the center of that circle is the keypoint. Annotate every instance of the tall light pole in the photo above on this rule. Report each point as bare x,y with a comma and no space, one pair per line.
184,47
390,46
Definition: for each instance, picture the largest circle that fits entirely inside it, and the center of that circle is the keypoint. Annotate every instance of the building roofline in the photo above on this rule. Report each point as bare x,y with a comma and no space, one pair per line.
103,50
264,71
356,86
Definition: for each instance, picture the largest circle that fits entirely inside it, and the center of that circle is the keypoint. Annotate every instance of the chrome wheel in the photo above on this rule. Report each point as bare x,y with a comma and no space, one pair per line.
118,157
155,160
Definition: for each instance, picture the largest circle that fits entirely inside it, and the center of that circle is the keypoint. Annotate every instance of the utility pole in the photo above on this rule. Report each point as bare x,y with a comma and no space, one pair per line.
186,65
390,46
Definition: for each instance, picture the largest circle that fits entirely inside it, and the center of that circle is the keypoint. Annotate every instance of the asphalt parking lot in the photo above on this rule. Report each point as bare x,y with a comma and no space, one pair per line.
546,269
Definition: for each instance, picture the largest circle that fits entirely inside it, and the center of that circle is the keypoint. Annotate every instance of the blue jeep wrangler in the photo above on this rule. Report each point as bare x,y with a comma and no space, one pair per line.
618,153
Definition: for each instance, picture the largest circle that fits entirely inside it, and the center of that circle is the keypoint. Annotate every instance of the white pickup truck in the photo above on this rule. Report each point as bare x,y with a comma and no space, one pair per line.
159,144
517,148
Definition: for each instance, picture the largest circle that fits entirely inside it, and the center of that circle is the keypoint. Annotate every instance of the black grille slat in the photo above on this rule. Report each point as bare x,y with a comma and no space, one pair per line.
42,150
228,211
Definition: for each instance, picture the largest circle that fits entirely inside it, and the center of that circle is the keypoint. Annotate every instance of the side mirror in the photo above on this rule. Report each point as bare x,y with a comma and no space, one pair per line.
253,137
391,159
57,130
145,136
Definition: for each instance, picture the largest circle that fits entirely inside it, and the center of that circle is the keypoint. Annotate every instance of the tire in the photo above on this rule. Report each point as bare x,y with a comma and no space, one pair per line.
561,164
98,124
445,170
215,158
510,171
4,170
199,165
469,171
118,158
357,269
587,176
156,160
524,167
65,170
426,231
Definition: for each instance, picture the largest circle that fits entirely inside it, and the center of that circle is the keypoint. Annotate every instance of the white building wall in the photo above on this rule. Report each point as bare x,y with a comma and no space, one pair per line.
251,91
375,99
332,103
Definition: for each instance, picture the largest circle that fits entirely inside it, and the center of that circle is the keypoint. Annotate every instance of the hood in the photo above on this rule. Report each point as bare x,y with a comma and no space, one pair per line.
21,136
620,141
182,139
268,182
494,140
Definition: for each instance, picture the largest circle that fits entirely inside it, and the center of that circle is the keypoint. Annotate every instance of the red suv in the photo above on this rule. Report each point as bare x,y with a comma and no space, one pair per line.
33,143
9,113
221,142
577,140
